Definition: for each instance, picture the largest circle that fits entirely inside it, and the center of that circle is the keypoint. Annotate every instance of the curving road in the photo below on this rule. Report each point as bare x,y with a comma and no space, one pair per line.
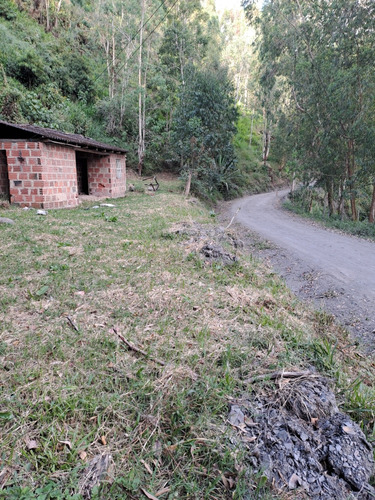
335,270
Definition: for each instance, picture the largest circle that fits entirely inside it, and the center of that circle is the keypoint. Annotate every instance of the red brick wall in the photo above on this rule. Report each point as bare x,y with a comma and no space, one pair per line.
44,175
102,176
4,182
41,175
24,172
99,175
59,176
118,183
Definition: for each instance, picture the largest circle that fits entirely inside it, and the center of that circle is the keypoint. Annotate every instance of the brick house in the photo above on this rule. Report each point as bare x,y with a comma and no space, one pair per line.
45,168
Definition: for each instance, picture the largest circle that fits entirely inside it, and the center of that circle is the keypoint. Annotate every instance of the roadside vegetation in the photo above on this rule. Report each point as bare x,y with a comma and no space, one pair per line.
316,66
71,389
310,202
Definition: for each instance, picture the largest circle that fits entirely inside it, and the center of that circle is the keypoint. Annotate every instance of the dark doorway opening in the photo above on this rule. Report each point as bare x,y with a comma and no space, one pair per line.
82,175
4,178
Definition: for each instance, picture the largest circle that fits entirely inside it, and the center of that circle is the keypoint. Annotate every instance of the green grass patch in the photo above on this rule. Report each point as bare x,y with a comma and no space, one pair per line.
72,381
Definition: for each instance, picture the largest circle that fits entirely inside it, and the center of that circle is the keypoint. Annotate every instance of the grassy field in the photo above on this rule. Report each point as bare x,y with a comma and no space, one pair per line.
71,389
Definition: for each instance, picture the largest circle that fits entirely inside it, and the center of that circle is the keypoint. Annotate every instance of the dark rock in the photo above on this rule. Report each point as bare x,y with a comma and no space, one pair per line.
96,471
5,220
310,398
216,253
322,459
236,417
349,454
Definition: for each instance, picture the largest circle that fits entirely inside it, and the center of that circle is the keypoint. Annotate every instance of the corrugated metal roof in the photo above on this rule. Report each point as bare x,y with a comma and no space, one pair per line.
55,135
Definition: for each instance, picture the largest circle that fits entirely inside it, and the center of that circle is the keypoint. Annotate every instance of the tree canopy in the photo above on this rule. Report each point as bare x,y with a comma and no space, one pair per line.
317,62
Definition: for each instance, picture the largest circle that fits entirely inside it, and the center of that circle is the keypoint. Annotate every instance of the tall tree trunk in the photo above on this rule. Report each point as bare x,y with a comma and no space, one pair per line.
371,217
266,138
251,128
340,207
113,65
350,169
181,57
141,141
107,47
47,3
58,7
293,183
246,90
188,184
329,187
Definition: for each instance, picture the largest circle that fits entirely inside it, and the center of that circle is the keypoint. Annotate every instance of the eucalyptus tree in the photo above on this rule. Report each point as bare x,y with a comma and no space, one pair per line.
184,39
240,56
130,35
323,50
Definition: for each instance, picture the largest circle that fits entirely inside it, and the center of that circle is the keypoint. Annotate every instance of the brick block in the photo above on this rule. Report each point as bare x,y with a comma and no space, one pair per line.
13,153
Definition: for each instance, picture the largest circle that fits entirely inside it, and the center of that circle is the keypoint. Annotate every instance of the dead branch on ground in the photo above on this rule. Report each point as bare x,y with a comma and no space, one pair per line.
132,347
72,324
280,374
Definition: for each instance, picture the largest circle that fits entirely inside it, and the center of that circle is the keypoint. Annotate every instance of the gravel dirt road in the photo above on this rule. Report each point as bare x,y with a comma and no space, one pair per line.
333,270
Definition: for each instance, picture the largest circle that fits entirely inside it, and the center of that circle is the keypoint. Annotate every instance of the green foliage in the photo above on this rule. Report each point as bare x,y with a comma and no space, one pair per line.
76,79
27,68
10,104
44,82
78,71
8,10
49,491
203,131
317,80
254,177
309,203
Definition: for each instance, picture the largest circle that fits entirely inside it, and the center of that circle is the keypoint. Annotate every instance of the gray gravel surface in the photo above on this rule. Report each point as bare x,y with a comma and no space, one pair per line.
335,271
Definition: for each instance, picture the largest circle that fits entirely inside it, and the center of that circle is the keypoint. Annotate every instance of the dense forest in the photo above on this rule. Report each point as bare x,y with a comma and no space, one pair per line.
228,100
149,76
318,93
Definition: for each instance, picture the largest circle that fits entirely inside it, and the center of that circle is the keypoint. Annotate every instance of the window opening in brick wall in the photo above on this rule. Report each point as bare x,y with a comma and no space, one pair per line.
4,178
118,169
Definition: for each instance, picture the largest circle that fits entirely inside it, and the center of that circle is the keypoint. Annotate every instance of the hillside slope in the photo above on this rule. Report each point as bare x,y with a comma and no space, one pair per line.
196,329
